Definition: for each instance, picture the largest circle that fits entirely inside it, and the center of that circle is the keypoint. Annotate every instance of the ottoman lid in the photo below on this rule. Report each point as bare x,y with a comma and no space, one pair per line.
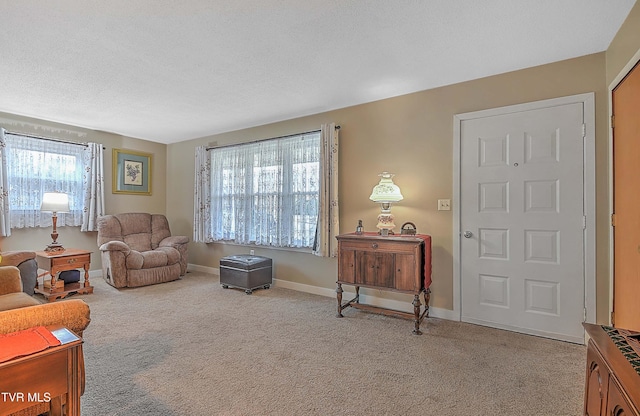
245,261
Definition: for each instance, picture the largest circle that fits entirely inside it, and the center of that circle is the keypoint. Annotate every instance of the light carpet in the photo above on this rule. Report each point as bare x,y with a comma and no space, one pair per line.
190,347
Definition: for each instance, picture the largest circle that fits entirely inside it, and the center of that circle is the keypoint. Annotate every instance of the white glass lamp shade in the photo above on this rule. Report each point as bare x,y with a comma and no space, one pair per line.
386,190
385,193
55,202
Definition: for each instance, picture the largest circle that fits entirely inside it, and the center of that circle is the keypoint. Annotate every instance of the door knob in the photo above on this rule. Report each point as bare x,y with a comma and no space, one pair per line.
467,234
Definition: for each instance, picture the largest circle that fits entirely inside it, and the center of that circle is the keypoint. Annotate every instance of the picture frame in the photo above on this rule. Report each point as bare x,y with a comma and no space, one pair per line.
131,172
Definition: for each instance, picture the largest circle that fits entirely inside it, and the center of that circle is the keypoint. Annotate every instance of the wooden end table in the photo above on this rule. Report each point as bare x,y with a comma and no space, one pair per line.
54,263
54,375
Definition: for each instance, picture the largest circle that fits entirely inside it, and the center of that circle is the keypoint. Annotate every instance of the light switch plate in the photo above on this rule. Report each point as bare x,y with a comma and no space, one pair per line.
444,205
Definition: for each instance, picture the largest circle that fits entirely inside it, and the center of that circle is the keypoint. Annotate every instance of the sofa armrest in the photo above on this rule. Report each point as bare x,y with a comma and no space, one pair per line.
14,258
115,246
74,314
174,240
10,281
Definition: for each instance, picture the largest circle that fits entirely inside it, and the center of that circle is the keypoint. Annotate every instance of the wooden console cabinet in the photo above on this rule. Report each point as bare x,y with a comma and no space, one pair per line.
613,374
395,263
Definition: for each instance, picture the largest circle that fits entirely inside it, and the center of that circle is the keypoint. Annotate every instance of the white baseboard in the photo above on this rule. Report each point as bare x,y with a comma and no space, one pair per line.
202,269
95,273
349,292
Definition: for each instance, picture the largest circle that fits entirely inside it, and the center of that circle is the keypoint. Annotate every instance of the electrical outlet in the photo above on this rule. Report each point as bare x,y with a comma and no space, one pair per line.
252,252
444,205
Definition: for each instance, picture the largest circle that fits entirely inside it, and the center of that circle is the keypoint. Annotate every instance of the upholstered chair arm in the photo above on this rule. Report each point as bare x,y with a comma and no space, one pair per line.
114,257
14,258
179,242
174,240
10,281
115,246
134,260
72,313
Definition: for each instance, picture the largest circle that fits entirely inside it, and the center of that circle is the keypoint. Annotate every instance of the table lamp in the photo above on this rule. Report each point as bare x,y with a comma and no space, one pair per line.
54,202
385,193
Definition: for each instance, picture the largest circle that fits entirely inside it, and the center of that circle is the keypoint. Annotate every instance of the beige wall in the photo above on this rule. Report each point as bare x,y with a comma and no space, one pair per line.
38,238
411,136
625,44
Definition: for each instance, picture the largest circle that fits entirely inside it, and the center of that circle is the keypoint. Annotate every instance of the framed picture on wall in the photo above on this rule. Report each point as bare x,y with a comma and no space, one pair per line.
131,172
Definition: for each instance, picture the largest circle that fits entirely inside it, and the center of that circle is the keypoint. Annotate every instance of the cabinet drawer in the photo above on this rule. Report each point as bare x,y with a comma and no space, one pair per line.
379,246
70,261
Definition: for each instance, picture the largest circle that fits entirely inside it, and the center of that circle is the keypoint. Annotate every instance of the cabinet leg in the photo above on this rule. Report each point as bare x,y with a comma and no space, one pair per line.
86,276
416,315
54,279
427,299
339,296
55,406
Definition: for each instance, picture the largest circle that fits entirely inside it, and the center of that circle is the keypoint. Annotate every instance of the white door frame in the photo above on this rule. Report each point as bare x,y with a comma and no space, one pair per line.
623,73
588,101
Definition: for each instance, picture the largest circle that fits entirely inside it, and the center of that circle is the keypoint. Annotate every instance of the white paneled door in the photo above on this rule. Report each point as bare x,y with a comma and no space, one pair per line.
522,221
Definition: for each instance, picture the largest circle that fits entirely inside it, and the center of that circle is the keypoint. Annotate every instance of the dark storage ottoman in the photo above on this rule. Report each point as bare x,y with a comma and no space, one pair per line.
246,272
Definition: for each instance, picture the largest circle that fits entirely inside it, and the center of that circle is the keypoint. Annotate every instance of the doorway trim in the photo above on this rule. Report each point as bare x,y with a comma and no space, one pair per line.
617,80
588,102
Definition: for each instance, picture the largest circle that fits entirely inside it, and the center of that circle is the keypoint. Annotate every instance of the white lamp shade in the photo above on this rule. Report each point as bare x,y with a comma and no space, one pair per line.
386,190
55,202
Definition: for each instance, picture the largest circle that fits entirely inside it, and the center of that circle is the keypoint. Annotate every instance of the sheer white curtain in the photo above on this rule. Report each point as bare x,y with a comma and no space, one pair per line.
35,166
281,192
202,197
325,243
5,226
266,193
93,186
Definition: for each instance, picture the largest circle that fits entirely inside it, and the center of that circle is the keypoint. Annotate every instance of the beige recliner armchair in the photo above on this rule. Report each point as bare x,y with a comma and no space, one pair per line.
137,249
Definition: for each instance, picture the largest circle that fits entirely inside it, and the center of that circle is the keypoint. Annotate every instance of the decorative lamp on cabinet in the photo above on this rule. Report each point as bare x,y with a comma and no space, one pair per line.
385,193
54,202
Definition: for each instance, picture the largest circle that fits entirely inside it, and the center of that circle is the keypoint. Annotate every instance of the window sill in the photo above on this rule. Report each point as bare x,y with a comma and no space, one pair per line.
260,247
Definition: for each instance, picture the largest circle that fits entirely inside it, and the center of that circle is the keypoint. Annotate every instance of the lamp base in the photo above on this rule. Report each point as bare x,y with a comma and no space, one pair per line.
54,248
385,224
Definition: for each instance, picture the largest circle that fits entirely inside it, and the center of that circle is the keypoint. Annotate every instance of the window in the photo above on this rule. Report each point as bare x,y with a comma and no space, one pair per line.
36,166
267,192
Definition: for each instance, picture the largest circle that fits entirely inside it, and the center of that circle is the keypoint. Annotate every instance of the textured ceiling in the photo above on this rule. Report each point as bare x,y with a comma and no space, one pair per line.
168,71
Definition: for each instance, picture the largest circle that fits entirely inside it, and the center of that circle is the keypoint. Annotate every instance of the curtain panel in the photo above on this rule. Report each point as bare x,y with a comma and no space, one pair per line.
328,227
5,224
202,197
93,186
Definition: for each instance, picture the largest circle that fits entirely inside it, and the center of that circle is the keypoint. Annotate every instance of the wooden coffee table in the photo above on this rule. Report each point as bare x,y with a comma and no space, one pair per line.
54,263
